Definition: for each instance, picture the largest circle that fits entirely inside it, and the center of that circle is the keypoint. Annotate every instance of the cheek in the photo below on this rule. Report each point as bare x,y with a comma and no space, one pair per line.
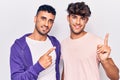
50,26
84,23
73,21
39,23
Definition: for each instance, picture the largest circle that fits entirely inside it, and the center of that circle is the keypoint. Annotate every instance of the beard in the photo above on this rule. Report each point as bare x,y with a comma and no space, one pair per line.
76,32
41,32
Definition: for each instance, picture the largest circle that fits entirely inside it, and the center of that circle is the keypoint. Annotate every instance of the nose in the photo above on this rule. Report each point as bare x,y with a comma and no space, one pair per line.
78,21
46,23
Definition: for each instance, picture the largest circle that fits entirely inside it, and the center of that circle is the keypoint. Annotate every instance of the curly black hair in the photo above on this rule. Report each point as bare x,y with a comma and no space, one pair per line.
79,8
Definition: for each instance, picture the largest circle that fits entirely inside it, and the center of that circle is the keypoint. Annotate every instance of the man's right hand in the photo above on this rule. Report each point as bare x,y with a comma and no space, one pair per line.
46,60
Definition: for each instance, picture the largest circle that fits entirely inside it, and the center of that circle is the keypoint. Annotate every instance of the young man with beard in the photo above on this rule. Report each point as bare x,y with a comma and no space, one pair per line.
83,51
35,56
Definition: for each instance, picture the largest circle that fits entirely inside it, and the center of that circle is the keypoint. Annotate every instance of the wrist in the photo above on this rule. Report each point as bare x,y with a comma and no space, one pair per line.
104,61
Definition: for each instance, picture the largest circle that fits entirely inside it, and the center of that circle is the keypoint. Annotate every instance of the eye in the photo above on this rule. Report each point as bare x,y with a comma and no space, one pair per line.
43,18
84,18
74,17
51,21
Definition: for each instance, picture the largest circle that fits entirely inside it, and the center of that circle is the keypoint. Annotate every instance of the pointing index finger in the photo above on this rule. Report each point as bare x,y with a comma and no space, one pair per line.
50,50
106,39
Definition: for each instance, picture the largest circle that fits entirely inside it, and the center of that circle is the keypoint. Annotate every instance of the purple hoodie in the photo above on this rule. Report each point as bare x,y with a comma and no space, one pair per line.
21,64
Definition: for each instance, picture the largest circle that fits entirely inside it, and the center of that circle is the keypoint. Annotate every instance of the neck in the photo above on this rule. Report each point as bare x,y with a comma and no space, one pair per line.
76,36
38,37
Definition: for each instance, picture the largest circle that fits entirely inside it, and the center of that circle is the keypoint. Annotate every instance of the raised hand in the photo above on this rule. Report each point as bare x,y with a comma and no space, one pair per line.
104,50
46,59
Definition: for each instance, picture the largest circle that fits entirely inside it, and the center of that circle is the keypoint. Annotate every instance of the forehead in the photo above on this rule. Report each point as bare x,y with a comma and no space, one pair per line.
46,14
75,15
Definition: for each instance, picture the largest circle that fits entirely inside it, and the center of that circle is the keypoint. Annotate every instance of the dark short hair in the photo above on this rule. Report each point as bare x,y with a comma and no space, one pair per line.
47,8
79,8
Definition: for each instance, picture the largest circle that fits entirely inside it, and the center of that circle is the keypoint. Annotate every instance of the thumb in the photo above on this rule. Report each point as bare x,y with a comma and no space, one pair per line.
99,46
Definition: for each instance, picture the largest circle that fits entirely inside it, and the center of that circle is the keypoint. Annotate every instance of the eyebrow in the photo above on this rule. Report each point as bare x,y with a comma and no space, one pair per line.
51,20
43,17
46,18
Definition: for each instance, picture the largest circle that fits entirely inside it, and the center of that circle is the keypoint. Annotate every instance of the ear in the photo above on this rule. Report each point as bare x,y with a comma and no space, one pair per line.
68,17
35,18
87,19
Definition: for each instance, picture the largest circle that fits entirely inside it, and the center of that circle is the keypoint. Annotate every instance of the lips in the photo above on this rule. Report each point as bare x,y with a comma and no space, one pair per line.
77,27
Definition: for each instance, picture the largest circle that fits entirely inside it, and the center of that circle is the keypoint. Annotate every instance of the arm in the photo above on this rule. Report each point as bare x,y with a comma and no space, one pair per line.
111,69
103,53
24,70
63,74
20,70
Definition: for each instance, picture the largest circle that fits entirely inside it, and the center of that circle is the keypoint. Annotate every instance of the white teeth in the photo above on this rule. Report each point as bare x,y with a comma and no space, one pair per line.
77,26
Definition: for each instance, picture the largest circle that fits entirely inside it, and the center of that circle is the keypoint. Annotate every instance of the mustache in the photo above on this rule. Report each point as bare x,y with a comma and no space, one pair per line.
45,27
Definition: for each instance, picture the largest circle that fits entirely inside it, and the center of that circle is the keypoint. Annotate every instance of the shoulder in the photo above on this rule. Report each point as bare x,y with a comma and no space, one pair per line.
95,38
65,41
53,38
20,42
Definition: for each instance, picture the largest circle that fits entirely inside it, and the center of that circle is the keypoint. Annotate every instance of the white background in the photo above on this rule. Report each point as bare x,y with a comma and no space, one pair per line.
17,18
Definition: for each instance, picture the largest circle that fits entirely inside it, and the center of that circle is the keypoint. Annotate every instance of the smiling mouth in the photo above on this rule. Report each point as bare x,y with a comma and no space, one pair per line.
77,26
